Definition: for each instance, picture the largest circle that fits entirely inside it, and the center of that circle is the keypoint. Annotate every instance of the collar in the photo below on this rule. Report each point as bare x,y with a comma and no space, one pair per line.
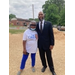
42,21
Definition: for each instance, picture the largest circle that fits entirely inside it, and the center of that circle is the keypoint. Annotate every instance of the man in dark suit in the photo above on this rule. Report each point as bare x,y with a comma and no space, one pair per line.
45,42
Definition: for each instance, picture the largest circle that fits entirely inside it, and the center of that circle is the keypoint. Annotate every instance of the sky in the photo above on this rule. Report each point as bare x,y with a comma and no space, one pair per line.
23,8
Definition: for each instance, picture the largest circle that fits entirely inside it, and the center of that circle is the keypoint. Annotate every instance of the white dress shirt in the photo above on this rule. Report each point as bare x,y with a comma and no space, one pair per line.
42,24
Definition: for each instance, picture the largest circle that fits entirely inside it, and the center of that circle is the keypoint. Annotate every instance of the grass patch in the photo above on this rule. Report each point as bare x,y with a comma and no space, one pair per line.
15,31
16,26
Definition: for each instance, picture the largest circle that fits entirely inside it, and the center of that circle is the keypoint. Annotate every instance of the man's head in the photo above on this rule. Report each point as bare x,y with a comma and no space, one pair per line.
32,25
41,16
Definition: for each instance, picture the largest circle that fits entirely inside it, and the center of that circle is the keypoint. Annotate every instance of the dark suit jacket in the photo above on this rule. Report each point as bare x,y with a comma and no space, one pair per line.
46,38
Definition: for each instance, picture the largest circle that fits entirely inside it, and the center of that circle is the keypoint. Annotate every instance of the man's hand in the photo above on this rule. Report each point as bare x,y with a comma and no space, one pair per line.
51,47
24,52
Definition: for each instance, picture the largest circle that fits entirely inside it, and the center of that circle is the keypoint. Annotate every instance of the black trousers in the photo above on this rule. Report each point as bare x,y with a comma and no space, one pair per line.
42,53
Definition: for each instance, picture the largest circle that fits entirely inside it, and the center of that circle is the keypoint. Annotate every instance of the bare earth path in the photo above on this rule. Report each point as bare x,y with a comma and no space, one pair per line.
15,55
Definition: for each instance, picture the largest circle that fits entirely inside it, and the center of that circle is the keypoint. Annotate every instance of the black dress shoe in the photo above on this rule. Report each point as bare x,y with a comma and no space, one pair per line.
43,69
53,73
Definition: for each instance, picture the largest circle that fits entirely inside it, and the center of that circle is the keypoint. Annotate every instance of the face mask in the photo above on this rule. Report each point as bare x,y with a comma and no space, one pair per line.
33,29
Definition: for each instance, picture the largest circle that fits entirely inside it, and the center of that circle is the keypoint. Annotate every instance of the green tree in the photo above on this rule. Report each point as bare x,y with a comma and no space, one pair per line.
59,3
31,19
11,16
62,17
36,19
53,10
52,14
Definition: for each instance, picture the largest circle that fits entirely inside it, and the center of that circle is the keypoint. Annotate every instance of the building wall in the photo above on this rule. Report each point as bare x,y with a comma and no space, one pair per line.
13,22
18,23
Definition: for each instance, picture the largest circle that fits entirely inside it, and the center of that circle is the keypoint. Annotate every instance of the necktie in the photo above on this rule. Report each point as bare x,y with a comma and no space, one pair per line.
41,26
